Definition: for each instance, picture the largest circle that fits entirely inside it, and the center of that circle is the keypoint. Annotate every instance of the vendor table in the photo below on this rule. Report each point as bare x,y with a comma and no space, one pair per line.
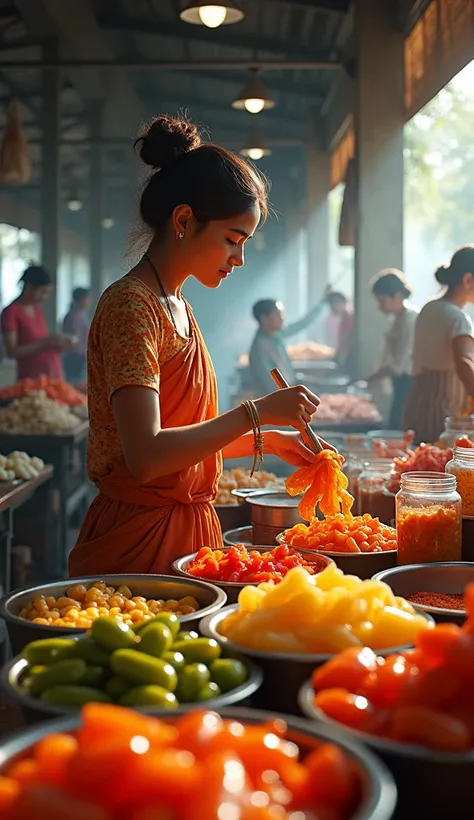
12,497
66,452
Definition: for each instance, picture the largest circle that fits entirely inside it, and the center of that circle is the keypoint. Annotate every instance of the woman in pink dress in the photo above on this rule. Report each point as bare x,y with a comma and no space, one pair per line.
25,333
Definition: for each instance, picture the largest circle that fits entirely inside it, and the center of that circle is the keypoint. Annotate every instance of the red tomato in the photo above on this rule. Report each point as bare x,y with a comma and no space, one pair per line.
417,724
383,687
354,711
348,670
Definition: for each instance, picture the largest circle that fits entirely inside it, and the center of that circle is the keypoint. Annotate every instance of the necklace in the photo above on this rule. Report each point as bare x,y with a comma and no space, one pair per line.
165,295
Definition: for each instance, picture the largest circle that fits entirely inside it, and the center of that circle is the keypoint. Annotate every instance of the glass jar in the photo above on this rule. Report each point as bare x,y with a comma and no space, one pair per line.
390,443
429,518
374,498
462,466
455,428
352,468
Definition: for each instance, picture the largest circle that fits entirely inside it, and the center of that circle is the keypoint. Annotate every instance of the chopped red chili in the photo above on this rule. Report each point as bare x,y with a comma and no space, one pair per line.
443,600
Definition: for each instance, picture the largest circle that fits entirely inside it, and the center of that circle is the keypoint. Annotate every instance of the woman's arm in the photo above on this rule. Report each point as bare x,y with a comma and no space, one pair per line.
151,452
463,350
16,351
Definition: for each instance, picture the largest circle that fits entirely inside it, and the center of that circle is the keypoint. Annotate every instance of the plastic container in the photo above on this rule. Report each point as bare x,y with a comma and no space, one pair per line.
462,466
373,496
455,428
429,519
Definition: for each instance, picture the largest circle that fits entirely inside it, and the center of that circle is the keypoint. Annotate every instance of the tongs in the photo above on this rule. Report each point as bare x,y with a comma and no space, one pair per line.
311,439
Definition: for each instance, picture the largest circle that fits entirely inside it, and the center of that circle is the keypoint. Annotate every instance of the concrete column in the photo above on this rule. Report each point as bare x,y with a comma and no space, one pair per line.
318,170
379,125
295,277
50,177
95,203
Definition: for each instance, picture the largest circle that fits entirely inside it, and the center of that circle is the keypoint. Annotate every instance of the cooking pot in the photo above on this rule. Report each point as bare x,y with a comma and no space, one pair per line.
271,510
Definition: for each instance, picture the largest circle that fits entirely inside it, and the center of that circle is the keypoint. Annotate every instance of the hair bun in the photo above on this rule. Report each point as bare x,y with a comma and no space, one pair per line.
443,275
165,139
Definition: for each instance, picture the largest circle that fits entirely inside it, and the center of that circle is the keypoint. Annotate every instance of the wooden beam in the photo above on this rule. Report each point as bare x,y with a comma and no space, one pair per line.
183,31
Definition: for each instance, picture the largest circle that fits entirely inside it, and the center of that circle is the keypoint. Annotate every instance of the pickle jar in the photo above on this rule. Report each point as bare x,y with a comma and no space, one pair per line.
429,518
352,468
456,427
462,466
374,497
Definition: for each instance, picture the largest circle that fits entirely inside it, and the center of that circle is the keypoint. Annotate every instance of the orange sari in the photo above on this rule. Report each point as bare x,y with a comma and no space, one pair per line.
133,527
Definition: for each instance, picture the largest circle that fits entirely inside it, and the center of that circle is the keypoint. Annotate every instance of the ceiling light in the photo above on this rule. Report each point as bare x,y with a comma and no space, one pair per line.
212,15
255,148
108,222
254,97
74,203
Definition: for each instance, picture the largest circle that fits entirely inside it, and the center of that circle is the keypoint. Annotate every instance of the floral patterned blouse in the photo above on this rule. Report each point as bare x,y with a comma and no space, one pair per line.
130,338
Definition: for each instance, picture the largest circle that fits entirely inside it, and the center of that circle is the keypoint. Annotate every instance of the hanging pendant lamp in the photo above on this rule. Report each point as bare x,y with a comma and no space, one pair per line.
254,97
255,148
212,15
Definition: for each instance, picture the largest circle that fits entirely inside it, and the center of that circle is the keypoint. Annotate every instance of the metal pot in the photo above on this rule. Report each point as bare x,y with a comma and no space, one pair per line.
271,512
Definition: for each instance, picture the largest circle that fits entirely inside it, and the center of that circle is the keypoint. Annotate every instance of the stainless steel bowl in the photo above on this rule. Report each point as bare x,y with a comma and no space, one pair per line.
232,588
450,577
379,794
240,535
434,785
362,564
21,631
35,710
284,672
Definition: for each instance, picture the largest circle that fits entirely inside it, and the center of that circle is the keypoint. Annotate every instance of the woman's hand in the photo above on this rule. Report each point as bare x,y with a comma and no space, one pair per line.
290,447
293,406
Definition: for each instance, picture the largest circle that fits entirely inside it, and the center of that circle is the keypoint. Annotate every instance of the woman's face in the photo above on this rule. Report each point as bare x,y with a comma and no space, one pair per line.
38,294
468,285
217,248
389,304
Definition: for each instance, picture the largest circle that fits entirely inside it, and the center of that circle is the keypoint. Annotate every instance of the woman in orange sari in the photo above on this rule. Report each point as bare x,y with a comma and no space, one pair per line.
156,439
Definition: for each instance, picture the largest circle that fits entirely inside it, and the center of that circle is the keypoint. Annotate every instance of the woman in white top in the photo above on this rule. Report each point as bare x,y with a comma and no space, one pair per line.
443,358
392,292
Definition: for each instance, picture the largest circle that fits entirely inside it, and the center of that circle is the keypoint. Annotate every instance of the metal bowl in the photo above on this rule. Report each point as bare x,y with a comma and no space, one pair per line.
21,631
284,672
35,710
363,564
449,577
232,588
379,794
434,785
241,535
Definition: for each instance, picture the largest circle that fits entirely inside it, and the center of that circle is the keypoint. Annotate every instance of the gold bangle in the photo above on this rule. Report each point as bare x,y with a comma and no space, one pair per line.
258,437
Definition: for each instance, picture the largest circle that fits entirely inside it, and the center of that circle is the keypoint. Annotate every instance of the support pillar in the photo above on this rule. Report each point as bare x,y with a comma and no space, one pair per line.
95,203
50,178
318,177
379,121
296,289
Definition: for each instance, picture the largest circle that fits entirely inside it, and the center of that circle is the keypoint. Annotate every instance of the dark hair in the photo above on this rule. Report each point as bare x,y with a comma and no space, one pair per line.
336,296
461,263
389,282
79,294
214,182
36,276
264,308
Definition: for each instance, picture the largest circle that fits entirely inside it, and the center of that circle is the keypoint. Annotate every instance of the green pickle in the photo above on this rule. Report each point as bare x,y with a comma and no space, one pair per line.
169,618
201,650
68,671
89,651
156,639
74,695
209,691
140,668
117,686
111,634
93,676
191,681
228,673
176,659
43,652
150,695
185,636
